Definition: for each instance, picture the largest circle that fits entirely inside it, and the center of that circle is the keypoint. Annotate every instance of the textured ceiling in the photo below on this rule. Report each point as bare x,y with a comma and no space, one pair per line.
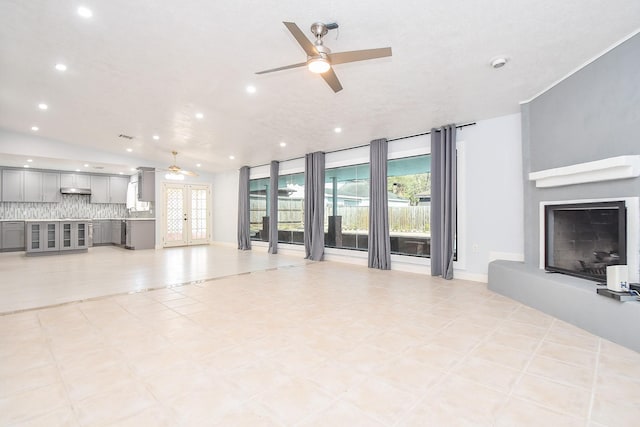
146,67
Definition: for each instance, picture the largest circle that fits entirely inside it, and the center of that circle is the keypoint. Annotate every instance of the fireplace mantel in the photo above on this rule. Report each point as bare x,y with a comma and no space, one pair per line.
620,167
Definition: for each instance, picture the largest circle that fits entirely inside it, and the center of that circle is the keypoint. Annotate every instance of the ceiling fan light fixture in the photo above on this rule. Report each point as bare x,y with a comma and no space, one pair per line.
318,65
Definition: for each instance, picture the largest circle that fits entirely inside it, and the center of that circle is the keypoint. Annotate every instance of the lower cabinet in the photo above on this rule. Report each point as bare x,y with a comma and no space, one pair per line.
101,232
56,236
12,238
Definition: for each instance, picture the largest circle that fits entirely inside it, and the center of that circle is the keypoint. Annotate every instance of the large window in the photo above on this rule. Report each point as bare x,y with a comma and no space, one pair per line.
291,208
346,221
409,196
259,209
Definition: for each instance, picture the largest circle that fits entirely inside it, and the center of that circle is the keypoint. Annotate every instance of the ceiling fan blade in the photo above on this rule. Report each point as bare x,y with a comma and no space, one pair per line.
188,173
358,55
286,67
306,44
332,80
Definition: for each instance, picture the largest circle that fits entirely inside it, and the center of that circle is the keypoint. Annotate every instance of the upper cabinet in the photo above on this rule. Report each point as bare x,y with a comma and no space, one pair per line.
109,189
30,186
146,184
75,180
118,189
12,185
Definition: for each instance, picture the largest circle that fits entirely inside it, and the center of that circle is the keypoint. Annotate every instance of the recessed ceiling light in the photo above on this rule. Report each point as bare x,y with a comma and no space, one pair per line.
43,106
121,173
133,169
129,149
283,144
29,160
499,62
251,89
85,12
35,128
86,165
61,67
199,116
25,166
156,137
77,170
198,165
232,157
337,130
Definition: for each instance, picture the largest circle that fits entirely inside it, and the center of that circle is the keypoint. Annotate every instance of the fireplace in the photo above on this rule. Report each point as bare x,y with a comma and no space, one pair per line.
582,239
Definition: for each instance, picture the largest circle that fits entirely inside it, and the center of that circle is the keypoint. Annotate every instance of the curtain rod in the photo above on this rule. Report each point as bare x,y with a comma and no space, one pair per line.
366,145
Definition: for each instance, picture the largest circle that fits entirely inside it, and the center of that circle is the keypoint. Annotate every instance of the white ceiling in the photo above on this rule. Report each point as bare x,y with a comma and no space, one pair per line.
146,67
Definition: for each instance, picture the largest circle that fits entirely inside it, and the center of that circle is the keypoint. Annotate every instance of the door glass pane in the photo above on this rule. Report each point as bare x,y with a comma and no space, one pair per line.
198,214
346,208
258,209
51,235
291,208
66,235
35,236
175,214
409,198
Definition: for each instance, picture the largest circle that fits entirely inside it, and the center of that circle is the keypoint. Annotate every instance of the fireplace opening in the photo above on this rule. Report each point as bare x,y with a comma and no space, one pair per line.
582,239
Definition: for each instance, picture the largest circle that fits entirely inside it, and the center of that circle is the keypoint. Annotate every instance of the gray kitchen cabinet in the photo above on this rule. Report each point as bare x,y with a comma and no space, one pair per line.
118,186
74,235
75,180
12,185
32,186
34,236
116,230
141,234
100,189
51,187
101,232
12,236
146,184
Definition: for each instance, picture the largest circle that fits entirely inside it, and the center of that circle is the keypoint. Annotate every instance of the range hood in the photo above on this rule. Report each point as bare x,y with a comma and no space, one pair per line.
75,190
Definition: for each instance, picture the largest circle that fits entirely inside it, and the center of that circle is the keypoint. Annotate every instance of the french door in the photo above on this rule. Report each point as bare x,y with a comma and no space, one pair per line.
186,214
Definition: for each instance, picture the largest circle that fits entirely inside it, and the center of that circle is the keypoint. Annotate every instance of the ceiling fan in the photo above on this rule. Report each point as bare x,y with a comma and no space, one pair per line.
176,172
319,57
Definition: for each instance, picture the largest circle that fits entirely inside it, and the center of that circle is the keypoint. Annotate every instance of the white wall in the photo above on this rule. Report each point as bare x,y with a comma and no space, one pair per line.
224,207
494,203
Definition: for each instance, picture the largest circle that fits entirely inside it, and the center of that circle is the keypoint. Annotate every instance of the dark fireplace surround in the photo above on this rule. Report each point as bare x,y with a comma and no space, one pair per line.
582,239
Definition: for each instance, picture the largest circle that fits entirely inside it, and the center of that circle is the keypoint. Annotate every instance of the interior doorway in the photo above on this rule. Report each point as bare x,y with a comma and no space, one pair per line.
187,214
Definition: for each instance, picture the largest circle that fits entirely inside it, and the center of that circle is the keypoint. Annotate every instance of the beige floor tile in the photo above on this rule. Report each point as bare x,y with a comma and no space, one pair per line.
344,414
501,355
274,340
113,404
295,400
557,370
568,354
519,412
154,416
380,400
559,397
14,383
32,403
492,375
615,413
63,417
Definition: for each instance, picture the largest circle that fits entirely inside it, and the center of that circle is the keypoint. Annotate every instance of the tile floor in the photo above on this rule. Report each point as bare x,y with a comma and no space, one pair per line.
317,344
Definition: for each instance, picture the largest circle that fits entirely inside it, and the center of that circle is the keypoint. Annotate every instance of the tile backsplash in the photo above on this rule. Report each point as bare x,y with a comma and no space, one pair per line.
71,206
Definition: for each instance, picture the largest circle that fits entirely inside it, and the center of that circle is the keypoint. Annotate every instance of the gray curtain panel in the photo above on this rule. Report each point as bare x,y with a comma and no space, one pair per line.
379,241
314,206
443,200
244,236
273,207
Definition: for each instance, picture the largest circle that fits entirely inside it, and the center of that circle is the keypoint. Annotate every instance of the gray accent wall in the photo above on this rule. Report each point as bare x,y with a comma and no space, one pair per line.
592,115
